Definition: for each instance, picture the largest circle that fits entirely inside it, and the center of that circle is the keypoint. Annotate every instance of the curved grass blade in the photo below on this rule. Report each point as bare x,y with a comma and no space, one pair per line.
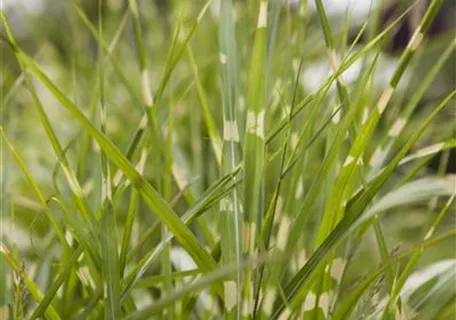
149,194
381,153
296,288
57,228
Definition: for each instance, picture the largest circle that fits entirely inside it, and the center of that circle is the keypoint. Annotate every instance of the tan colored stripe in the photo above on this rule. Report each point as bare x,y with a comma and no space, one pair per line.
429,234
282,234
143,122
337,269
146,92
299,188
309,302
222,58
180,177
279,210
226,205
286,314
268,301
141,165
349,160
397,127
431,149
378,155
248,234
384,99
250,126
260,125
263,16
230,294
416,40
323,303
230,131
334,59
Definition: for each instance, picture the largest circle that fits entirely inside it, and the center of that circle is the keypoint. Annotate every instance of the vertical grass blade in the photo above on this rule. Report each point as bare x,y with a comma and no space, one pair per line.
111,272
254,152
230,208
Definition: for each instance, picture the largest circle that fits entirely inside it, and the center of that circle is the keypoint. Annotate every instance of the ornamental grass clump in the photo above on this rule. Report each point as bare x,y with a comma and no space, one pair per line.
227,159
